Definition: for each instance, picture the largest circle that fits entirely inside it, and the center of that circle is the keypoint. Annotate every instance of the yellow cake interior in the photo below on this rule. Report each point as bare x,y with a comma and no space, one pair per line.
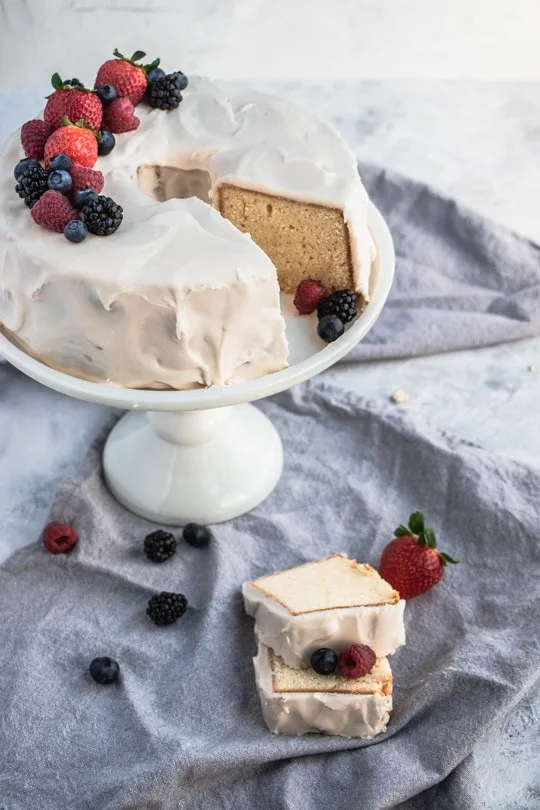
303,240
333,582
286,679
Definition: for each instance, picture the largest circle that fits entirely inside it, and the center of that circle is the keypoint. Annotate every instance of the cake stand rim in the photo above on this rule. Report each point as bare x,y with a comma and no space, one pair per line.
217,397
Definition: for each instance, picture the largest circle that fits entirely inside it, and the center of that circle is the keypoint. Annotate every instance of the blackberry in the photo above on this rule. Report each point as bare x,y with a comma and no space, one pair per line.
165,608
102,216
73,83
165,93
32,185
341,303
159,546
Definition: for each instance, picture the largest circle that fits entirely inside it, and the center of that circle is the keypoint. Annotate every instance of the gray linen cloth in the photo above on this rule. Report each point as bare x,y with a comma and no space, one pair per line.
182,728
462,281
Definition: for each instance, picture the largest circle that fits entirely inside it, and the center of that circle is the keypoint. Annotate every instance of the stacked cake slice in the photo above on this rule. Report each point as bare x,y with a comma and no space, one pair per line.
329,604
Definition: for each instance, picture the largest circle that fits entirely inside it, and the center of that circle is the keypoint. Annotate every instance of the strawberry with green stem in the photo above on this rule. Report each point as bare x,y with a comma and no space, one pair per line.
126,74
411,562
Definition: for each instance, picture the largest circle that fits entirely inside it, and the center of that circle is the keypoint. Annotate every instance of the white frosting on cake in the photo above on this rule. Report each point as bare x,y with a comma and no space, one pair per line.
177,296
346,714
296,637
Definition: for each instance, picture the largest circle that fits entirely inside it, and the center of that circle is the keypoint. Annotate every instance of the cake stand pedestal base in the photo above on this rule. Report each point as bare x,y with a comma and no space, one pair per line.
204,466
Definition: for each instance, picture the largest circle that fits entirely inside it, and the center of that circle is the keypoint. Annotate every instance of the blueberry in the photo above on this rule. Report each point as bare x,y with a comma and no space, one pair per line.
181,79
83,196
324,661
23,165
104,670
156,74
196,535
106,93
59,162
60,180
330,328
106,144
75,231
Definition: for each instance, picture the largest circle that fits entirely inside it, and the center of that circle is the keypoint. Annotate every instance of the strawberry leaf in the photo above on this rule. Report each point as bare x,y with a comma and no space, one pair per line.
416,523
118,55
446,558
402,531
56,81
429,537
137,56
152,65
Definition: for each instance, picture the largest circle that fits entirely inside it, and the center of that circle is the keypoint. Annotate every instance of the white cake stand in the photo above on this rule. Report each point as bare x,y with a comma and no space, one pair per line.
207,455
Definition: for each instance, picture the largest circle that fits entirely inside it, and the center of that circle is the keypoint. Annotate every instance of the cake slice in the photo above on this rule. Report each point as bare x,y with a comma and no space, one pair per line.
331,602
299,701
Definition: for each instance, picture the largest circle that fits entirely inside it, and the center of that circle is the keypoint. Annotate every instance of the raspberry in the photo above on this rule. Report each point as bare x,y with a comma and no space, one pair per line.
86,178
356,661
165,608
34,135
59,538
307,297
53,211
119,116
159,546
341,303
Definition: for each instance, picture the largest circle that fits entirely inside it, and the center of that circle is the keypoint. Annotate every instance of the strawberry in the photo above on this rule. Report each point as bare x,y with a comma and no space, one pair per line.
75,140
82,177
119,116
411,562
53,211
70,98
129,78
34,136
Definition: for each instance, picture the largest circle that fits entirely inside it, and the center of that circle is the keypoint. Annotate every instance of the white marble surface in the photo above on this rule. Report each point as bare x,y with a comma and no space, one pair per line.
478,140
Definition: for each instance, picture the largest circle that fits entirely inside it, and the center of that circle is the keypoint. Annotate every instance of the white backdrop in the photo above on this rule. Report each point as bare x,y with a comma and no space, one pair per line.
282,39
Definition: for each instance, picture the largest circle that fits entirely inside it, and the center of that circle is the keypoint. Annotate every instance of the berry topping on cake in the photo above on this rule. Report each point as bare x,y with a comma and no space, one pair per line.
60,162
34,135
75,140
104,670
74,101
83,196
181,79
120,116
53,211
106,93
307,297
196,535
106,143
126,75
60,181
59,538
165,608
341,303
22,165
86,178
32,183
159,546
324,661
155,74
330,328
356,661
411,562
102,216
75,231
165,94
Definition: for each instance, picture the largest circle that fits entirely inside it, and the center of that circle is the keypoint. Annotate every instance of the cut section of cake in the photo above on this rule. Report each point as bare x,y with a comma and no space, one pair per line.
331,602
300,701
